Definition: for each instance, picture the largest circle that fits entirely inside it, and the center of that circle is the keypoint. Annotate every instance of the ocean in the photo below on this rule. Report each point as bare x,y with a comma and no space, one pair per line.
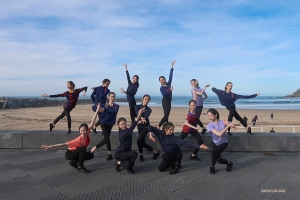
260,102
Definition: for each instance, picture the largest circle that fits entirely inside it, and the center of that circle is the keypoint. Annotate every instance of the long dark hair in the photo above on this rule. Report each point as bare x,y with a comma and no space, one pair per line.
137,77
163,78
227,84
166,125
109,95
119,120
192,101
214,112
105,80
72,83
194,80
147,95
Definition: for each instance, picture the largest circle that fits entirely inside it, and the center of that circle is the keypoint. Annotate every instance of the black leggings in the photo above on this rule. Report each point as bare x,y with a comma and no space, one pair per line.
233,113
106,130
79,155
199,109
195,135
216,154
143,131
127,158
169,160
166,104
132,111
66,113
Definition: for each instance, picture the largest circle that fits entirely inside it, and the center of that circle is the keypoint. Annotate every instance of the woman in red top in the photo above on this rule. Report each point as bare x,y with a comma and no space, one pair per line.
72,97
76,152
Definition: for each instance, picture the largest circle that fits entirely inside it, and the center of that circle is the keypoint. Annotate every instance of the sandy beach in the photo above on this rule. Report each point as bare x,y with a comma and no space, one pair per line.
39,118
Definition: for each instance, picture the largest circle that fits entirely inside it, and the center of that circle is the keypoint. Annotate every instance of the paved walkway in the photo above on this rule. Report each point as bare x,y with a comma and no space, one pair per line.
39,174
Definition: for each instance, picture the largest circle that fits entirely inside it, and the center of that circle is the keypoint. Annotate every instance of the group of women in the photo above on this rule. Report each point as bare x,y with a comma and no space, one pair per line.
106,109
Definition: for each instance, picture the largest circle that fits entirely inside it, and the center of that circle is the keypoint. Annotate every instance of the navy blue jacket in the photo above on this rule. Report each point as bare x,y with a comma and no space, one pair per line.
166,92
109,115
171,143
125,138
99,95
131,89
145,114
228,99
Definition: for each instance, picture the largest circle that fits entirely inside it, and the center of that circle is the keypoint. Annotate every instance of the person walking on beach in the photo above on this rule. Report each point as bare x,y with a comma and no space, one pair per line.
197,93
72,97
245,119
132,88
272,130
124,155
190,127
99,95
170,144
166,91
109,113
227,99
218,130
254,120
143,128
272,115
77,151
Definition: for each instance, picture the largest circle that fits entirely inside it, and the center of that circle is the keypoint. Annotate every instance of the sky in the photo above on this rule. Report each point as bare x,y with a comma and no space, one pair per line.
254,44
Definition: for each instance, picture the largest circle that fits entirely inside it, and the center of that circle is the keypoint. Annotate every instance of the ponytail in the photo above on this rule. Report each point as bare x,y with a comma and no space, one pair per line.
214,112
166,125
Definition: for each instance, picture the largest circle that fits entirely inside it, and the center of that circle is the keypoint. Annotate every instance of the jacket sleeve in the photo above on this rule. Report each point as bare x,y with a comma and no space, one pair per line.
81,89
147,114
133,91
154,130
136,108
215,90
59,95
170,78
132,127
181,142
93,96
128,77
237,96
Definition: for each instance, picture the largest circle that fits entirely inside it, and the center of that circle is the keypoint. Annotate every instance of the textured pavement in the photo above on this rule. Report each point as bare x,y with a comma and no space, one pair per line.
39,174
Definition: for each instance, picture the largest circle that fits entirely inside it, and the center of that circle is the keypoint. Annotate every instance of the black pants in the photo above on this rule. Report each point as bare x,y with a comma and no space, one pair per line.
233,113
106,130
169,160
166,104
216,154
195,135
127,158
79,155
66,113
141,139
132,111
98,122
199,109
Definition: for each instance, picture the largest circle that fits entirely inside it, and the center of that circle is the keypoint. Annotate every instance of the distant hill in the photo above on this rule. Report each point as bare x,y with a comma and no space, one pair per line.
295,94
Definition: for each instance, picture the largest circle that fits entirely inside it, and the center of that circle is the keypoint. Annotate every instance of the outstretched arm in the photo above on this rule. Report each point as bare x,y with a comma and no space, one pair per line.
127,74
237,96
95,116
171,74
217,91
220,133
190,125
203,91
54,145
54,95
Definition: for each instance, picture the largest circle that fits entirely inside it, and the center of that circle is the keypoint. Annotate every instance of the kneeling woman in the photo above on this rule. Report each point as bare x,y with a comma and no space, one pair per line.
124,156
218,129
76,152
170,144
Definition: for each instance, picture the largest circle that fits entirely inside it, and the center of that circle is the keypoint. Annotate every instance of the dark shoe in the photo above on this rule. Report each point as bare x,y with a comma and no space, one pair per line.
249,130
109,157
51,126
229,166
94,130
130,170
195,158
142,158
212,170
179,165
69,131
117,167
83,169
155,155
174,171
229,134
203,131
73,164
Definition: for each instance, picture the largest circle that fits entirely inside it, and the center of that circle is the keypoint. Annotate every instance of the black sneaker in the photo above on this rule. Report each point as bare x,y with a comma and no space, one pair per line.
73,164
94,130
130,170
83,169
203,131
142,158
249,130
109,157
155,155
69,131
195,158
212,170
229,166
174,171
51,126
117,167
229,134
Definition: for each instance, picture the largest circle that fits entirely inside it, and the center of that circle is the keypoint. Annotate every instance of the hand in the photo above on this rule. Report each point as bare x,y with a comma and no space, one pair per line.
45,95
226,122
207,85
141,111
152,138
171,88
173,63
101,110
45,147
125,65
93,88
203,146
233,126
122,90
258,94
93,149
84,93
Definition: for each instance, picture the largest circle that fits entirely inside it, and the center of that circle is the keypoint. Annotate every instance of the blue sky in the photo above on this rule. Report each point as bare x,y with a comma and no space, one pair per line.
254,44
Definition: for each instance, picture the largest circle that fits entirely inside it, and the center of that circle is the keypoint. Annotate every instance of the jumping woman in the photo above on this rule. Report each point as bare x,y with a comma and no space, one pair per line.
99,95
170,144
227,99
218,130
190,127
132,88
143,128
197,93
109,113
166,92
72,97
124,156
76,152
